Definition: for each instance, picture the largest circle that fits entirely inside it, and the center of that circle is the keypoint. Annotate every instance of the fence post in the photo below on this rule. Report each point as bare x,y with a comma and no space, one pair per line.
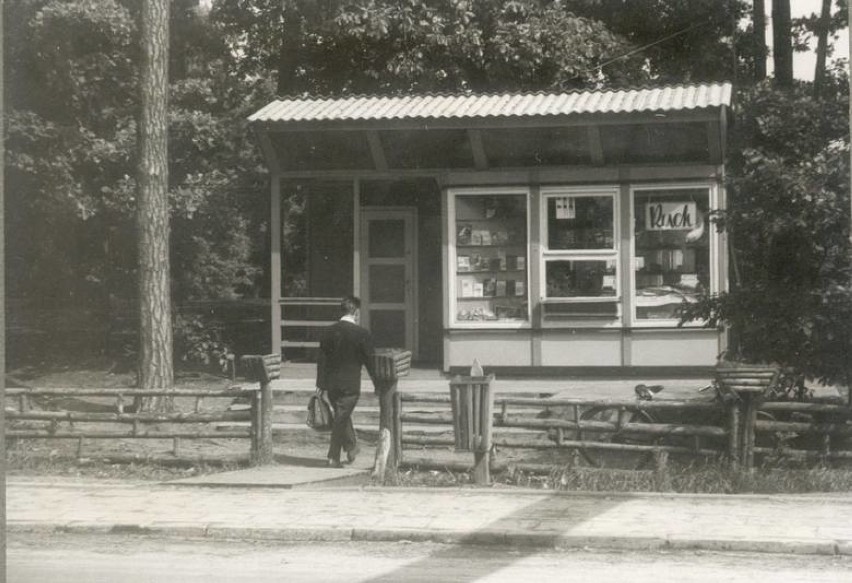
387,396
661,472
748,419
262,369
482,454
388,365
264,450
746,385
734,432
397,426
255,427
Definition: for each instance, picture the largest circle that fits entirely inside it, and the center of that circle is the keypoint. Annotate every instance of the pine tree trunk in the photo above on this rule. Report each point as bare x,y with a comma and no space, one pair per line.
152,216
759,23
782,41
822,47
289,52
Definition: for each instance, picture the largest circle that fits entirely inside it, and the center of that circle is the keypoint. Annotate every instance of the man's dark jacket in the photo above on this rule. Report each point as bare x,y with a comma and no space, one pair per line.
344,347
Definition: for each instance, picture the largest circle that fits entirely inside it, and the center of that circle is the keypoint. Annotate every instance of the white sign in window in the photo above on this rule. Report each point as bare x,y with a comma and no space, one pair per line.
671,216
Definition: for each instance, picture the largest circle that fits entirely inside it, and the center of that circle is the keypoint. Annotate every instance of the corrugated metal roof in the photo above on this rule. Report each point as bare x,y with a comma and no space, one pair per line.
511,105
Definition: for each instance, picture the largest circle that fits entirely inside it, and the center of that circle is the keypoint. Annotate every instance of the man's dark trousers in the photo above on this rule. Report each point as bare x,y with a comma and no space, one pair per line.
342,429
344,348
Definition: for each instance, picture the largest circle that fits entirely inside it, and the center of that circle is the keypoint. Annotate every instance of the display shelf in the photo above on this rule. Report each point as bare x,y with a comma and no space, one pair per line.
491,258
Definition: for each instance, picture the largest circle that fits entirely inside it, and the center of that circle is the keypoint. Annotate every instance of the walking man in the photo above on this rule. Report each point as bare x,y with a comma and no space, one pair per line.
345,346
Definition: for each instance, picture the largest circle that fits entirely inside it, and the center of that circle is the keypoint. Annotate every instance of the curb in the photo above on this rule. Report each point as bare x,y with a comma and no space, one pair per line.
488,537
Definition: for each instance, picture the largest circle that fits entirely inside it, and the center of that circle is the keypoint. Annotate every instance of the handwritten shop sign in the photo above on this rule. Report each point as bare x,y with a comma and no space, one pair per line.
671,216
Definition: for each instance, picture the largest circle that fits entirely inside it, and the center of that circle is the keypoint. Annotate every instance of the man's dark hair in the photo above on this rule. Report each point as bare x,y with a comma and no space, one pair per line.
350,305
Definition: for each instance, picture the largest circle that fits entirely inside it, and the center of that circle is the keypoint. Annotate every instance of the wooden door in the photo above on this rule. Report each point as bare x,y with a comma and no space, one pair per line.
388,276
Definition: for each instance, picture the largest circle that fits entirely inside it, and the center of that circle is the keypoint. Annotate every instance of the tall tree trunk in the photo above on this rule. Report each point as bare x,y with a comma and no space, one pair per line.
759,23
2,298
152,215
288,54
849,24
782,41
822,47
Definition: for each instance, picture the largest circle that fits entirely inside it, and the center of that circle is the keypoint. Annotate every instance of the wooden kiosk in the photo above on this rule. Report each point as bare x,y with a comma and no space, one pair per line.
555,231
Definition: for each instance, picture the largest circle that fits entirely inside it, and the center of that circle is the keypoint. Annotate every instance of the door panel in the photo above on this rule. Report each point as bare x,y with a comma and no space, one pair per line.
386,238
387,283
390,328
388,272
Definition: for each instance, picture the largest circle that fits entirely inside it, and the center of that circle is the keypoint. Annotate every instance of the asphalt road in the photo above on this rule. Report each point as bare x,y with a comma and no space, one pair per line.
101,559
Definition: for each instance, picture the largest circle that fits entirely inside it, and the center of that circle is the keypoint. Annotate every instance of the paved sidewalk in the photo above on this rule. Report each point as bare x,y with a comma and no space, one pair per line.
782,524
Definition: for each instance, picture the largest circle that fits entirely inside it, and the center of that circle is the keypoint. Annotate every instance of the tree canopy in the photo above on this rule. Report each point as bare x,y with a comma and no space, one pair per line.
72,76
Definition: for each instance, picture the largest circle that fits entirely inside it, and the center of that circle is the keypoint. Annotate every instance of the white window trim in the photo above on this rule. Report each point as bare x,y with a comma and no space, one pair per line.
451,275
547,254
714,243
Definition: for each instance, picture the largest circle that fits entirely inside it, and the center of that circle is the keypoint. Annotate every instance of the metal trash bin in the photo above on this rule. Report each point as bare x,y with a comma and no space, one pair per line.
473,406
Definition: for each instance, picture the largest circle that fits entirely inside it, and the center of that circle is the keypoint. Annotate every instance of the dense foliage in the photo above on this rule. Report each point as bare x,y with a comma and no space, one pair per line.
790,300
72,74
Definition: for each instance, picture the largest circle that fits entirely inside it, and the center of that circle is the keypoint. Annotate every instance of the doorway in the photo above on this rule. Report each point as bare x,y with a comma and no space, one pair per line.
388,272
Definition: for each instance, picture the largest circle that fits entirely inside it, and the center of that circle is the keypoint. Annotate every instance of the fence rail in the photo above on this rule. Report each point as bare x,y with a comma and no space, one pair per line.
259,413
312,315
587,433
716,427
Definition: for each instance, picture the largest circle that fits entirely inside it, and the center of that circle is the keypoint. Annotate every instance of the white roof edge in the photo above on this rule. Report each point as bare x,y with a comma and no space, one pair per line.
513,105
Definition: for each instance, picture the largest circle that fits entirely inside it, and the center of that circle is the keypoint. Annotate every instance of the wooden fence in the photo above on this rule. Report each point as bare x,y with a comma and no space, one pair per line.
83,425
731,427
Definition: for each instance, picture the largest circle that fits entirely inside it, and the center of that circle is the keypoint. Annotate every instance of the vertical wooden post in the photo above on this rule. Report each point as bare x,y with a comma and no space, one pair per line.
483,441
749,416
661,472
397,427
468,401
263,369
255,427
825,450
387,396
275,267
734,433
264,449
455,402
389,365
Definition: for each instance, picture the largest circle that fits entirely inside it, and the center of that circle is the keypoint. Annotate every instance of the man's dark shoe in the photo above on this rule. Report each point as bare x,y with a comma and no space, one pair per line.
352,454
334,463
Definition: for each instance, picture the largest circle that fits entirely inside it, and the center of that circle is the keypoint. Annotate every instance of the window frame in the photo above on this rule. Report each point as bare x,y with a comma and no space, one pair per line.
714,242
452,253
613,254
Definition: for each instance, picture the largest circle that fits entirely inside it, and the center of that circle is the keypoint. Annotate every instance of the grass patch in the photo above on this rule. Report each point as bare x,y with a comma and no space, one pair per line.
709,477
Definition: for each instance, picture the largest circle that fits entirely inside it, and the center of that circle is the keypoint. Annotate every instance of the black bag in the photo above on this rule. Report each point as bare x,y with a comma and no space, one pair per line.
320,415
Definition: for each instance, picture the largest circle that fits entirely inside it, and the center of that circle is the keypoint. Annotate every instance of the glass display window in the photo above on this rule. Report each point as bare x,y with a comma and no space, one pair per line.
580,253
580,278
673,241
578,221
490,257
